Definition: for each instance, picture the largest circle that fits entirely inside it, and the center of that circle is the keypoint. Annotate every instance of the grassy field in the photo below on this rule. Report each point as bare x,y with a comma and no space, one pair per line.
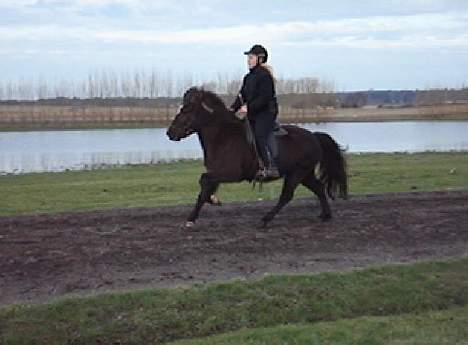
177,183
372,306
431,328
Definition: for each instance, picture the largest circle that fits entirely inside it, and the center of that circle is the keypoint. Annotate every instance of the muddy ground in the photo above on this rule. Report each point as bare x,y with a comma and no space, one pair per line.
46,256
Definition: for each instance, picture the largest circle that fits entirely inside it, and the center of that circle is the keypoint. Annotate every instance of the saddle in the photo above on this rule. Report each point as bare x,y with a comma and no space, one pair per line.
278,131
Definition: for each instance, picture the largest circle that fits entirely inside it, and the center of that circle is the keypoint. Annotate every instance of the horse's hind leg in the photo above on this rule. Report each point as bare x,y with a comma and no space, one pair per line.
289,186
317,187
208,187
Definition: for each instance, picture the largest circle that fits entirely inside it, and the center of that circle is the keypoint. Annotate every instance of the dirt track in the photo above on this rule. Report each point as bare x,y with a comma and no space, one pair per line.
42,257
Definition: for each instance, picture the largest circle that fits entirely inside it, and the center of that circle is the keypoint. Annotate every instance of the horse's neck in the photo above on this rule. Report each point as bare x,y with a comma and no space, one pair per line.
214,138
208,138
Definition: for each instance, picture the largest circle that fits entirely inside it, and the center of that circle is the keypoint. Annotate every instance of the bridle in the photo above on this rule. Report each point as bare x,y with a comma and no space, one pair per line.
207,108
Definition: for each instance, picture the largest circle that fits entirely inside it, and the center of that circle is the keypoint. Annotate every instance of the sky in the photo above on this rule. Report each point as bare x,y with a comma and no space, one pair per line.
358,45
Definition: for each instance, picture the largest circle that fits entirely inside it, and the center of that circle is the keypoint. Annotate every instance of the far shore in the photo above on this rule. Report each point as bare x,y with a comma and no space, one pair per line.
59,117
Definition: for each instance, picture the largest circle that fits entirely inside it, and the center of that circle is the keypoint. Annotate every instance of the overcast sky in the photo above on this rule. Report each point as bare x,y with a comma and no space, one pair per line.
386,44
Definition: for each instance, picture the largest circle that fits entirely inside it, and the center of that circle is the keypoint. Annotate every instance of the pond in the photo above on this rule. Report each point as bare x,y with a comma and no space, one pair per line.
37,151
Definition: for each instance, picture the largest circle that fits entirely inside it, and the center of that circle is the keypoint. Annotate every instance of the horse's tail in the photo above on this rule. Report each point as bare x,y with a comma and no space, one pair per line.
333,167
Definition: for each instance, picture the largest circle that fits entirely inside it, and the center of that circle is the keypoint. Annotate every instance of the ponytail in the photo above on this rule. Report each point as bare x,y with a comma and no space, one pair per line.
269,69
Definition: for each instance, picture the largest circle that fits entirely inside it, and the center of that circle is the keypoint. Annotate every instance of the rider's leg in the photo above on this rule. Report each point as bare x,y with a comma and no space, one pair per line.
261,130
273,148
264,124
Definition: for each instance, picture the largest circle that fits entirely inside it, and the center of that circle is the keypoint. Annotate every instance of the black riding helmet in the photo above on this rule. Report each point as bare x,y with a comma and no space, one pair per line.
258,50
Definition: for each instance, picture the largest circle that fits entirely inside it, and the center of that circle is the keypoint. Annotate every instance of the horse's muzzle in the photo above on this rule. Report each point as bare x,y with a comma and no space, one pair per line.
172,136
176,134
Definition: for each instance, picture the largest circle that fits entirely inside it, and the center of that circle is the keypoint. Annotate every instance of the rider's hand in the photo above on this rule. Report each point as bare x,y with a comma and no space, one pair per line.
242,113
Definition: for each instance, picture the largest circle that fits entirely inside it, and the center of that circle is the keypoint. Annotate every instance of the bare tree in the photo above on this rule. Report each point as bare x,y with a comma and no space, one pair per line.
142,83
154,84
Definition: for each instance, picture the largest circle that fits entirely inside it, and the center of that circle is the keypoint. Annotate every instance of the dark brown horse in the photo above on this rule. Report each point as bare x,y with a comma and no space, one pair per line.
312,159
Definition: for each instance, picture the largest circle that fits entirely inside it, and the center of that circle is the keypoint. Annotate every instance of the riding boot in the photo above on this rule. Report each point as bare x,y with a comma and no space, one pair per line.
273,155
270,169
266,145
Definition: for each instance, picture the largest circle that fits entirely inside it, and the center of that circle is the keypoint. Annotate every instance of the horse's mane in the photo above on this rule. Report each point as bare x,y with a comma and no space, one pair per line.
218,105
214,100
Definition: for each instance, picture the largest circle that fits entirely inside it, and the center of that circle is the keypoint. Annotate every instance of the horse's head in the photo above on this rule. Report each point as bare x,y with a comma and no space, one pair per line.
193,114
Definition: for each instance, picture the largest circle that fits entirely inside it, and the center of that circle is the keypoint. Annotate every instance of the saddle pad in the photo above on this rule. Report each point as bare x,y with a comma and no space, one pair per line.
280,131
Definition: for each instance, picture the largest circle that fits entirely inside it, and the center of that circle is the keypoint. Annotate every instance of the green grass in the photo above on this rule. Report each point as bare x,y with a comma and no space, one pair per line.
177,183
160,316
433,328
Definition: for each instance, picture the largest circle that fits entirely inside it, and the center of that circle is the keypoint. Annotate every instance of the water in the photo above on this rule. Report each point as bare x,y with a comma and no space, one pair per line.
22,152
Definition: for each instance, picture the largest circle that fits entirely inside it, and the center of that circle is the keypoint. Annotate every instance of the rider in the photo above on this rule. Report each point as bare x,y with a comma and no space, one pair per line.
257,101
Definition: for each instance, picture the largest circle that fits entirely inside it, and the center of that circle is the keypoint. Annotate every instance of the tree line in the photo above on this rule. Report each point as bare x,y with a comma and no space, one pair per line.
155,88
144,84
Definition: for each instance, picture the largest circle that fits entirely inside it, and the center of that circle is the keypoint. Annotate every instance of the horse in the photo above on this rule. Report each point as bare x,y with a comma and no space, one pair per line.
313,159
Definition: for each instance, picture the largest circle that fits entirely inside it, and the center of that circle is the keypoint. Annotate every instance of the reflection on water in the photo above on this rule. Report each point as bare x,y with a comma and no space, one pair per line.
409,136
22,152
74,150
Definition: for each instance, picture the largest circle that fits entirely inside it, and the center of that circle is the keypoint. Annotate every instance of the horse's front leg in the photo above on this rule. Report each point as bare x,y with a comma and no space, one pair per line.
214,200
208,186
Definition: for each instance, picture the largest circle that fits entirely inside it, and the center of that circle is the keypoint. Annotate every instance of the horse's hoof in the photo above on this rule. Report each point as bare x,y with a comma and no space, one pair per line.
263,223
189,224
325,217
215,201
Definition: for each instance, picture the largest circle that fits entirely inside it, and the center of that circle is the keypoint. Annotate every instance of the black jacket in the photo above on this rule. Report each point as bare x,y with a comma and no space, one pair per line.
258,92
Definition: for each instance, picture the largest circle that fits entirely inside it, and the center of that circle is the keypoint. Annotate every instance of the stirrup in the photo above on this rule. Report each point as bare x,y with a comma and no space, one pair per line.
261,174
273,172
267,173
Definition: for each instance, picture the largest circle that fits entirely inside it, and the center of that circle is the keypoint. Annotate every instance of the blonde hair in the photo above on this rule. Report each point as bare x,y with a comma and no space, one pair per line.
269,68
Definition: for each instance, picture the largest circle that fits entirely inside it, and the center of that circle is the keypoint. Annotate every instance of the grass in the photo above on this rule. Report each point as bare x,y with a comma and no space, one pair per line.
160,316
432,328
177,183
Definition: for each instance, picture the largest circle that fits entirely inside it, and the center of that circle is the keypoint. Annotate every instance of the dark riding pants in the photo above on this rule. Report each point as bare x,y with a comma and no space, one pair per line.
263,125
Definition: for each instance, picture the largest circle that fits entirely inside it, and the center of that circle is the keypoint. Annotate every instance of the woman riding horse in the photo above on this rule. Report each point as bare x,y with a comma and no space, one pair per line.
257,101
314,160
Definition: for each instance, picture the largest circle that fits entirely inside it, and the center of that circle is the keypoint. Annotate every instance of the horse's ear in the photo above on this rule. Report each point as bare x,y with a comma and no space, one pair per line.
192,95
